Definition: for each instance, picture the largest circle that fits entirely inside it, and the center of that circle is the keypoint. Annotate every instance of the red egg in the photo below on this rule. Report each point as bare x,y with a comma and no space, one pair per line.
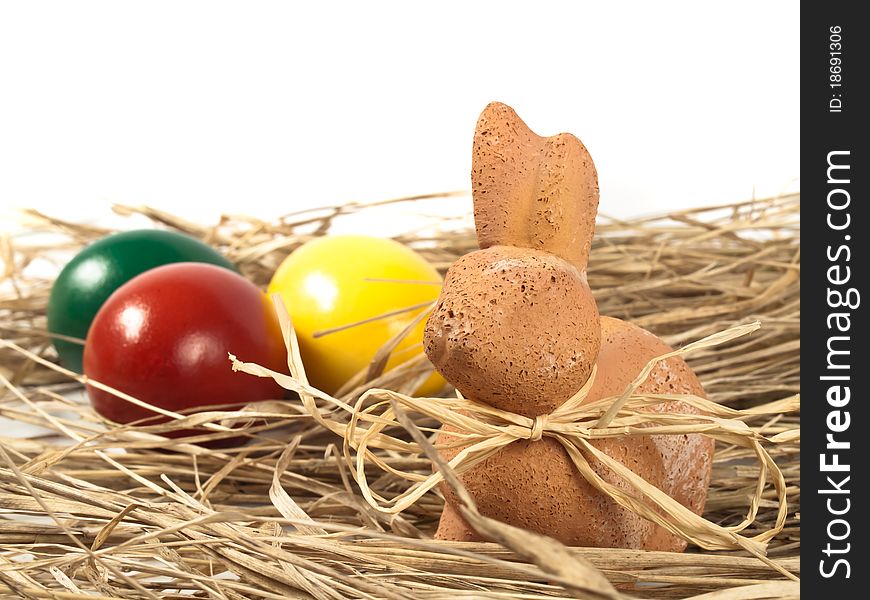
163,338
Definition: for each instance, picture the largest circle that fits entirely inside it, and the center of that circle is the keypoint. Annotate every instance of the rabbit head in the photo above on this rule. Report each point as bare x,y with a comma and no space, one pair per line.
516,325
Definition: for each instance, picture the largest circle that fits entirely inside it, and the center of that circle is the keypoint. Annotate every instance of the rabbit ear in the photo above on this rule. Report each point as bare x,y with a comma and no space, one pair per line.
531,191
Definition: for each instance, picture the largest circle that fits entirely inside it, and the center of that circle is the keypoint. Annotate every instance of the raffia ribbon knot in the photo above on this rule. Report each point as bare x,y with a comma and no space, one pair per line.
538,426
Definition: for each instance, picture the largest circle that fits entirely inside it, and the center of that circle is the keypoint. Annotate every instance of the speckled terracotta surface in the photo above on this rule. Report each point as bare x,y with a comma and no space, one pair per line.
503,334
532,191
516,327
536,486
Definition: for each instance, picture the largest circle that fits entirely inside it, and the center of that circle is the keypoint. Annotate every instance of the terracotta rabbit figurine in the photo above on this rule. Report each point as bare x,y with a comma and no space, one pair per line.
516,327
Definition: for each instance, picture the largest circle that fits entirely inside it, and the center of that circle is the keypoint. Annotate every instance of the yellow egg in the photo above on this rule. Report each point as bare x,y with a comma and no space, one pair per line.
335,281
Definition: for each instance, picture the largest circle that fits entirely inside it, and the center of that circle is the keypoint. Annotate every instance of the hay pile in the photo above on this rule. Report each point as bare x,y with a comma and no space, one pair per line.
281,517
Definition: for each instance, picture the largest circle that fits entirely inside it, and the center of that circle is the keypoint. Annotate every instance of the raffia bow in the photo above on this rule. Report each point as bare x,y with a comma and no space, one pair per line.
484,430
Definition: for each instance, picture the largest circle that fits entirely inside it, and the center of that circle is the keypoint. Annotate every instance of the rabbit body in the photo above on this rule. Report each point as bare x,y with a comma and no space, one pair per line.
534,484
516,327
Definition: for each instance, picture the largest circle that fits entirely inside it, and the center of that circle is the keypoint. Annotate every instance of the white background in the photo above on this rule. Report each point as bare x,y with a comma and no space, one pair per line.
269,107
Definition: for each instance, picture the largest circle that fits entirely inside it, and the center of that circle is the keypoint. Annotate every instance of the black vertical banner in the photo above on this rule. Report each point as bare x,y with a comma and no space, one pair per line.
835,349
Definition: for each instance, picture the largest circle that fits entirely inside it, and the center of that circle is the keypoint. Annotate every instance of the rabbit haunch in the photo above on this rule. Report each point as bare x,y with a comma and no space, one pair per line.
516,327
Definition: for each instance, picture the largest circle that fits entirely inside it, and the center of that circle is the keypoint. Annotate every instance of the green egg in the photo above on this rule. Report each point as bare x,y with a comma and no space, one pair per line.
93,274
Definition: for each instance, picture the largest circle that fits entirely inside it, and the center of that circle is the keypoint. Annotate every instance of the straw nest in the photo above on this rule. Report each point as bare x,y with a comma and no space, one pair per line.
90,511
